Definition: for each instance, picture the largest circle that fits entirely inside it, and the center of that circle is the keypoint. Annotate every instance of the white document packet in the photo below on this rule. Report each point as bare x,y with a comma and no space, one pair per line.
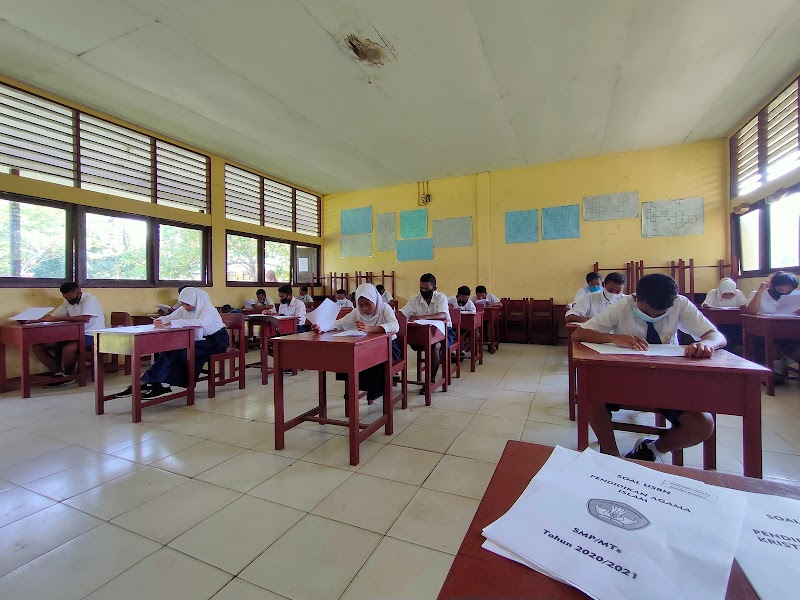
324,315
32,314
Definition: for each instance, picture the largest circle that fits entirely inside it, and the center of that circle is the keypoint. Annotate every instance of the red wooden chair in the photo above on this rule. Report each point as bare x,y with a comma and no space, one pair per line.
234,356
543,322
516,316
120,319
455,347
343,312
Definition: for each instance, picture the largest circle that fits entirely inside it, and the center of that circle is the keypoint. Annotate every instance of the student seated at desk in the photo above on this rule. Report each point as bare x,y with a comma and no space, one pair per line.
593,284
61,357
482,295
262,300
292,307
170,367
342,300
595,303
430,305
385,295
462,302
725,295
304,296
653,315
764,301
371,315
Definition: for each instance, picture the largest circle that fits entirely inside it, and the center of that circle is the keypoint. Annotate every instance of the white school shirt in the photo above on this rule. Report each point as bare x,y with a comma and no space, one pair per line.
387,319
584,291
306,298
594,303
295,308
207,317
267,302
88,306
468,308
386,296
715,300
417,307
491,298
768,303
620,319
345,303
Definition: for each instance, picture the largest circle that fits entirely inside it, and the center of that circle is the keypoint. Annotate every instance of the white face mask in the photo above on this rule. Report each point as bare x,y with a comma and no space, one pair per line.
647,318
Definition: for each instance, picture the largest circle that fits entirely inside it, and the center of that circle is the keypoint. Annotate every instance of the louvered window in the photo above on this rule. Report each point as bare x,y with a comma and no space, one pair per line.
242,195
306,213
747,176
181,178
37,137
783,153
277,205
114,159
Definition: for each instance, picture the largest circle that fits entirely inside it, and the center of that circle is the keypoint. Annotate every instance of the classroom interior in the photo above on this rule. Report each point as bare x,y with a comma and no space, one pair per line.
222,145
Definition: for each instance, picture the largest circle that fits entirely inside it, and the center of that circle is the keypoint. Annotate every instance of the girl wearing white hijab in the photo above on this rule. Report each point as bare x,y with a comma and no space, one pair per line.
371,315
170,367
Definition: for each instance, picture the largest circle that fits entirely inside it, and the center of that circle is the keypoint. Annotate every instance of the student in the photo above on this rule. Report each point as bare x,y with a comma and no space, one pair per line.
304,296
291,306
262,300
60,358
385,295
594,303
725,295
483,295
342,300
592,285
430,305
170,367
176,306
653,315
462,302
371,315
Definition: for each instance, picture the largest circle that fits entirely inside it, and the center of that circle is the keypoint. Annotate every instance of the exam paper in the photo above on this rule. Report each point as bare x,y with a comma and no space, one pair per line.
438,324
655,349
350,333
324,315
787,305
32,314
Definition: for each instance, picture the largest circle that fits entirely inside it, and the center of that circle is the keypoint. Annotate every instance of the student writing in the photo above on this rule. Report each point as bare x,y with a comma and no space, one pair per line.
594,303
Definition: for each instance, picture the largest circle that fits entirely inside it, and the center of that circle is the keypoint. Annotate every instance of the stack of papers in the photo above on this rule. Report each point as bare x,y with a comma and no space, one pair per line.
438,324
32,314
324,315
654,350
617,530
788,305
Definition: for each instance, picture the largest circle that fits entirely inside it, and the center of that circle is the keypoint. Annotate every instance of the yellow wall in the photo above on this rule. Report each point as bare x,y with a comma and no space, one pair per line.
550,268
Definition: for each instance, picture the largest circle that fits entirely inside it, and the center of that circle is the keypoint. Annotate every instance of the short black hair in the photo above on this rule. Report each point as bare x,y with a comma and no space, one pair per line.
183,287
380,287
659,291
481,289
428,278
226,308
341,292
592,276
260,292
285,289
304,288
781,278
617,278
68,286
463,291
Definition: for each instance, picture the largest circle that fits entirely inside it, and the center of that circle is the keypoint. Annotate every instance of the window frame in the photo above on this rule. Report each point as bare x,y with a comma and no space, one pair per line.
260,257
206,268
764,269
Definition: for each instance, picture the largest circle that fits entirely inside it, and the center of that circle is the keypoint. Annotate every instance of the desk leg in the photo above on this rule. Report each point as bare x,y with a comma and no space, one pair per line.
278,395
769,355
751,428
387,393
473,350
352,409
3,372
136,384
25,369
82,361
99,383
323,394
572,377
190,364
264,356
583,407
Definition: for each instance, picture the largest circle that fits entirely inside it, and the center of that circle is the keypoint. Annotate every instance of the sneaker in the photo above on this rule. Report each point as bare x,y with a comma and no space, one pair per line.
58,384
642,451
463,354
126,393
155,390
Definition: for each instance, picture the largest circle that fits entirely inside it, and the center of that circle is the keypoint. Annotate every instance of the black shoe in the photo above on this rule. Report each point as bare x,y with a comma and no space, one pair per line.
58,384
287,371
422,391
126,393
641,450
154,391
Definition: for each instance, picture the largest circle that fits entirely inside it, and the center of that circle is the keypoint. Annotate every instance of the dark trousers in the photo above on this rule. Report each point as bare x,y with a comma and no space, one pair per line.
171,367
372,380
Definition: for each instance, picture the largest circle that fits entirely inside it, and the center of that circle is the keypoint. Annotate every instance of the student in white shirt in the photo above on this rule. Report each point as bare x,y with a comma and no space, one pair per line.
371,315
263,301
593,284
61,357
385,295
482,295
170,368
304,296
595,303
291,306
430,305
725,295
342,300
653,315
462,302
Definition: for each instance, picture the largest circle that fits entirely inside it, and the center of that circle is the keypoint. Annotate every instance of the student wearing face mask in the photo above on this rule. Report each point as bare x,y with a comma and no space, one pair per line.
61,357
653,315
292,307
593,284
725,295
342,300
595,303
462,302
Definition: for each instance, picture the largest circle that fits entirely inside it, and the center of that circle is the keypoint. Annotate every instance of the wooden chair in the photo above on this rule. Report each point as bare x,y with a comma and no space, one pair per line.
394,304
516,316
543,322
455,347
120,319
343,312
425,336
473,325
234,356
400,366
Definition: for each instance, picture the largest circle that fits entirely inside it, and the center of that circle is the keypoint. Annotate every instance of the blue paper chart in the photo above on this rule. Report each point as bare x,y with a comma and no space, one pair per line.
561,222
414,224
522,226
357,220
408,250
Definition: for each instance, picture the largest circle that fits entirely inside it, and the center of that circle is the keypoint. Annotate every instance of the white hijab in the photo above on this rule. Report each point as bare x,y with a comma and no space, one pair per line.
194,297
368,291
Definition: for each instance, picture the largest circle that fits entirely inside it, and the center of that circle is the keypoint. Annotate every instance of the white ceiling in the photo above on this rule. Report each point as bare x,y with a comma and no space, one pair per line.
468,86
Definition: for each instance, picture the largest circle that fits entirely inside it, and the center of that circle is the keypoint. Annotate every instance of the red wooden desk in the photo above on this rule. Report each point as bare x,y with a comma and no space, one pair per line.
25,336
573,372
722,316
269,326
723,384
425,335
136,342
478,573
770,328
491,319
327,352
473,324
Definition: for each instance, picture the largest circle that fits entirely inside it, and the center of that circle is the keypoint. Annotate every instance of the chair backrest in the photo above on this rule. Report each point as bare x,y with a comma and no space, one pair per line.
402,336
343,312
234,323
480,308
516,310
542,308
455,317
121,319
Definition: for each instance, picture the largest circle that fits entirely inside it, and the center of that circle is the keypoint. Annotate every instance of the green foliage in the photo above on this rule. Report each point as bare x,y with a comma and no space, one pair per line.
242,258
116,248
180,253
39,245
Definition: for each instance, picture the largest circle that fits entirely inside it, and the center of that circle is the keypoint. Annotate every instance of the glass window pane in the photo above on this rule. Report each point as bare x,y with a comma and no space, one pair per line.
242,258
116,248
180,253
306,266
784,232
33,240
277,265
749,230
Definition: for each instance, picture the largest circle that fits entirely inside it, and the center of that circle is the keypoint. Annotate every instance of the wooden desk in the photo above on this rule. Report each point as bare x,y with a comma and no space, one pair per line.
491,316
424,336
269,327
573,372
478,573
25,336
723,384
770,328
327,352
473,324
136,342
722,316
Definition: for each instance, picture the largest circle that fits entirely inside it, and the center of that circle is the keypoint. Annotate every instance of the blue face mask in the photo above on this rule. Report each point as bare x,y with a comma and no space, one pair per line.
595,288
647,318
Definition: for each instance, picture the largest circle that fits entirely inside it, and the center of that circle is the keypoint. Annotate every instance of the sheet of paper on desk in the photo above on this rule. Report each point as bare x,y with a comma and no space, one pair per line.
350,333
769,547
129,329
438,324
788,304
655,349
617,530
324,315
32,314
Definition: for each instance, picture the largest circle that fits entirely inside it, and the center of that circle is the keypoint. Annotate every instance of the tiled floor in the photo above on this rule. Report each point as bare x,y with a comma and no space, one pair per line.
195,503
